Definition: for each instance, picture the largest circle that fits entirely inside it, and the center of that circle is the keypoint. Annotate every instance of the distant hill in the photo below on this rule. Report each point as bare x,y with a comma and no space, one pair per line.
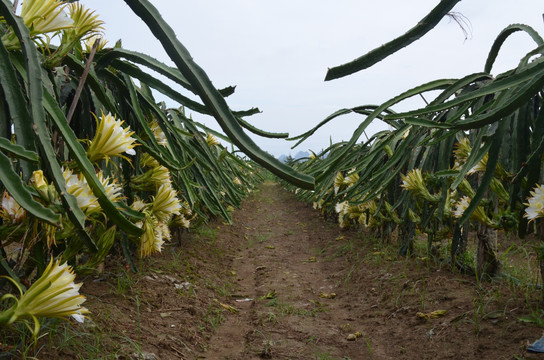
301,154
298,155
282,158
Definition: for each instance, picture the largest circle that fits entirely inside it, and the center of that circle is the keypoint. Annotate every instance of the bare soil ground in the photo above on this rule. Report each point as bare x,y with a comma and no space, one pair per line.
283,283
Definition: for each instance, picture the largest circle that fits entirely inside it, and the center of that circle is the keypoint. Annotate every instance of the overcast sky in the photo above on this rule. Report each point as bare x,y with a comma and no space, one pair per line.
277,53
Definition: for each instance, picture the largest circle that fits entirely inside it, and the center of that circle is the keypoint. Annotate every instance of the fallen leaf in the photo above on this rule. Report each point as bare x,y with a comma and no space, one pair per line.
327,296
354,336
226,307
271,295
432,315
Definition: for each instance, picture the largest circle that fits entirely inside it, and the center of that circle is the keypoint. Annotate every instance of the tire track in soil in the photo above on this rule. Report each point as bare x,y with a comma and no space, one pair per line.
283,252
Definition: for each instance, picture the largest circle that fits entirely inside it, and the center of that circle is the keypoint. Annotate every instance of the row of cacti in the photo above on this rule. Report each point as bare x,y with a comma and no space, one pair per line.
470,159
431,203
90,164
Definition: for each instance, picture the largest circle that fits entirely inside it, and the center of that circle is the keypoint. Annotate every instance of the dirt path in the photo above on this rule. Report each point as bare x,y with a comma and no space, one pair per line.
293,312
